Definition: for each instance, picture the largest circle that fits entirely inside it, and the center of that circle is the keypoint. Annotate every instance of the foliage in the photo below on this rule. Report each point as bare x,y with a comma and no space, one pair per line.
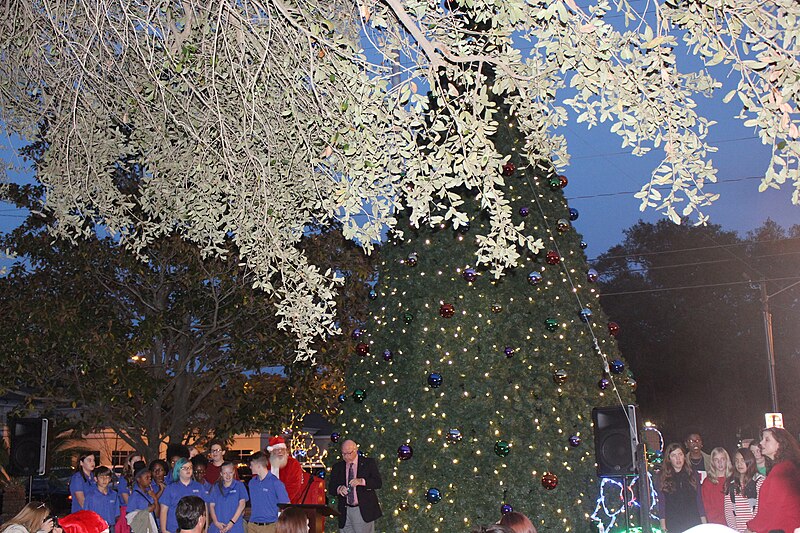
688,303
171,348
486,394
251,120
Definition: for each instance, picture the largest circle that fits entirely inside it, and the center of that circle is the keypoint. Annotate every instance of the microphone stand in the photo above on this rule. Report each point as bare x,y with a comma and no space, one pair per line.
308,487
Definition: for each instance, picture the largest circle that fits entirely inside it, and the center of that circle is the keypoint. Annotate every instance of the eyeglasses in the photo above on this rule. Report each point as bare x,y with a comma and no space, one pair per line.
216,450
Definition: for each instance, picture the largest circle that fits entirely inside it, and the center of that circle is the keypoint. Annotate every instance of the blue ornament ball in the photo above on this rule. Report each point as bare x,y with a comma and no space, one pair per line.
583,245
573,213
404,452
342,398
586,314
373,294
454,436
574,441
321,473
509,351
433,495
524,211
617,366
506,508
469,275
387,355
592,275
534,278
357,333
335,437
435,379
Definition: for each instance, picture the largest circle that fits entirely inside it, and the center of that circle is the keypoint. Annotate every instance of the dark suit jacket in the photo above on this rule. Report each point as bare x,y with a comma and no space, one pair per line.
367,498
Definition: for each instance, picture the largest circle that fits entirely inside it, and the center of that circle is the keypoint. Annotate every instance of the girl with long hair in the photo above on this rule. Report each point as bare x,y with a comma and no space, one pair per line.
227,499
292,520
680,505
741,490
779,499
33,518
713,487
82,480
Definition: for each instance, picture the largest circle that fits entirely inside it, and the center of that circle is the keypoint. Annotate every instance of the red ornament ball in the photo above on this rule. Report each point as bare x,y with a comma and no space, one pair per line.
613,329
509,169
563,180
553,258
362,349
549,480
447,310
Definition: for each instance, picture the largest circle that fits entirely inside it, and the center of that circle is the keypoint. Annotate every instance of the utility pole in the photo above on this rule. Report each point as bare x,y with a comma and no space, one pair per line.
773,389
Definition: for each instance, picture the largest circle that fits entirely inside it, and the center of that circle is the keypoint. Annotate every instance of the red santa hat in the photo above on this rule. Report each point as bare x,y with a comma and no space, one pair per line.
275,443
83,522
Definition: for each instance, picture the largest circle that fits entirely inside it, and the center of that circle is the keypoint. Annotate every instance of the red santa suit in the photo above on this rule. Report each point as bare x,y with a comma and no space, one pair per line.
291,475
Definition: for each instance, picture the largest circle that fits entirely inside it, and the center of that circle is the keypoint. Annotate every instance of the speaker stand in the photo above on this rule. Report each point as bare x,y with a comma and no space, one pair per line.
643,486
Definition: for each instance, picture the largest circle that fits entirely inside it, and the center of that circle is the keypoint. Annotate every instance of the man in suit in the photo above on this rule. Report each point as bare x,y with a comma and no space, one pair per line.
354,481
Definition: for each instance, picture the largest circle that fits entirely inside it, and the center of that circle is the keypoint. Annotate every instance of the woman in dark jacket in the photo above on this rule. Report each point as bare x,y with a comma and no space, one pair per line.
680,505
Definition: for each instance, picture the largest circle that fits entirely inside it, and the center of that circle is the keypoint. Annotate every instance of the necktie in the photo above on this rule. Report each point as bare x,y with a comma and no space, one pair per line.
351,491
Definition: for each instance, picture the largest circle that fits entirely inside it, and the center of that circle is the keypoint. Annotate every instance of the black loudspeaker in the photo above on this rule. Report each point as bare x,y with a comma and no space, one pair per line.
28,436
616,436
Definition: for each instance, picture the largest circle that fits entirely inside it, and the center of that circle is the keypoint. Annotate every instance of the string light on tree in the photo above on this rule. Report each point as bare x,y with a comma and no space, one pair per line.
491,376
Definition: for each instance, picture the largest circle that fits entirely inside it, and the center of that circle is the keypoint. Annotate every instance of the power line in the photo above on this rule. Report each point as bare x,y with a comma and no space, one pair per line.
703,286
697,248
606,154
700,263
619,193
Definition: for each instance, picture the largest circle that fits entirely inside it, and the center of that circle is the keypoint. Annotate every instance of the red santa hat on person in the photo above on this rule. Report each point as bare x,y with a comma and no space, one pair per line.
83,522
275,443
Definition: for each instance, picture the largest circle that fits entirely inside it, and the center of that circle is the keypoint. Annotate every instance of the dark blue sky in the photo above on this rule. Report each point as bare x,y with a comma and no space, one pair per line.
603,179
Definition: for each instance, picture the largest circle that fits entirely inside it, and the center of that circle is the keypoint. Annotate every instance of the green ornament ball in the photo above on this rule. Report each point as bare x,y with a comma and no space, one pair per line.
502,448
359,395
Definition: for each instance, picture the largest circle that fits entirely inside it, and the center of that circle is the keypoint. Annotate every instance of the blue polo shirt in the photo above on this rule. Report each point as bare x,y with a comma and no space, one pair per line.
106,505
225,503
77,483
122,488
265,495
173,494
139,500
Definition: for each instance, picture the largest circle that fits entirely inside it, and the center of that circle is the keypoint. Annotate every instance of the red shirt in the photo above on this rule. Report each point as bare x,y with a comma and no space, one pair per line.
212,472
779,500
714,500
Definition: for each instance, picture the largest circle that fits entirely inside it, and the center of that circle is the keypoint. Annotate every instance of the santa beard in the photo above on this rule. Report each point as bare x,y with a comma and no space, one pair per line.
278,461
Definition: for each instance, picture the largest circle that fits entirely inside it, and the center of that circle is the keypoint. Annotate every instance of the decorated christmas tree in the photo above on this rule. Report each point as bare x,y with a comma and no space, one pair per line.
474,392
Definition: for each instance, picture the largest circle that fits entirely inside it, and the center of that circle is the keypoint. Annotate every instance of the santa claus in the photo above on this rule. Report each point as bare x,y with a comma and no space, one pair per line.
287,468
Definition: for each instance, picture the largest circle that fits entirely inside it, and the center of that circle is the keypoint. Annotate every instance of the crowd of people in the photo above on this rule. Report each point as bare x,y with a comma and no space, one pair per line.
145,498
756,489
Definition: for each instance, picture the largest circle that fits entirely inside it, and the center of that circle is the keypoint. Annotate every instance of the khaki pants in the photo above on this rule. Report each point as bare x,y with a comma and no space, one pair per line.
253,528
